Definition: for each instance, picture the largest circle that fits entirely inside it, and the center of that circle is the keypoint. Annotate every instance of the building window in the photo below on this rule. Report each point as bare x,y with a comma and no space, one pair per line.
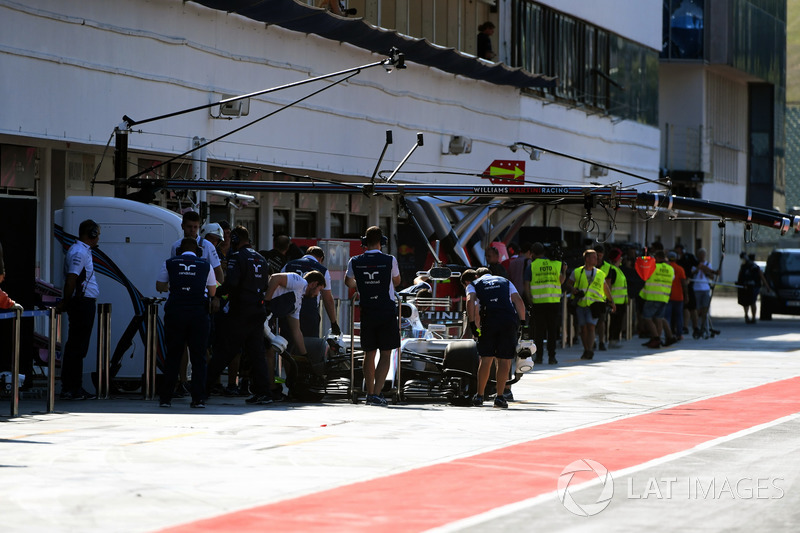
684,29
337,225
280,222
305,224
18,166
80,168
357,227
596,69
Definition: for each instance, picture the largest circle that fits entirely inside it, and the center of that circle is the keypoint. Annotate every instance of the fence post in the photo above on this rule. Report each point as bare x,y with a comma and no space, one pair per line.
566,324
55,328
149,378
16,326
103,349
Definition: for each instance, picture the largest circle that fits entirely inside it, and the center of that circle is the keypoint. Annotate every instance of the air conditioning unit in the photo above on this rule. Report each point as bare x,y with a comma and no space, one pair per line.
238,108
596,171
458,145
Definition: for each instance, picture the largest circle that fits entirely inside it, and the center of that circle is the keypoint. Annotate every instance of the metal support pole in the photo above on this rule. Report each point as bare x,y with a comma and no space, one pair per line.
353,394
16,325
149,378
121,161
55,328
397,376
103,350
629,320
154,358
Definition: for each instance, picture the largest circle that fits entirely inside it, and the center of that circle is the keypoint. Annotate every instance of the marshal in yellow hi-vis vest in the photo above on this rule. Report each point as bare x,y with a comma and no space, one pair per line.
545,284
658,287
619,289
594,291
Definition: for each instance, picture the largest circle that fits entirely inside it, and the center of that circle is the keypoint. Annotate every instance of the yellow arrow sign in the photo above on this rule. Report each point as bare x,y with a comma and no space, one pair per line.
499,171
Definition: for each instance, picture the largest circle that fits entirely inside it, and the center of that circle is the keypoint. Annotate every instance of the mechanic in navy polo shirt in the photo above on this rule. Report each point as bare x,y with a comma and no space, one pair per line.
501,312
374,275
309,311
190,281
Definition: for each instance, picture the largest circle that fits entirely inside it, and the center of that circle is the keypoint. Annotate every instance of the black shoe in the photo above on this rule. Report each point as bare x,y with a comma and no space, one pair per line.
231,390
477,400
199,404
181,390
552,360
696,333
259,399
377,400
83,395
602,347
538,360
671,341
500,402
67,396
655,342
165,403
216,390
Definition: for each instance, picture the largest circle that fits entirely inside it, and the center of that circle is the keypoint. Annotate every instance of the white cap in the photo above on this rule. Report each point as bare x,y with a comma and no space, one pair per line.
212,229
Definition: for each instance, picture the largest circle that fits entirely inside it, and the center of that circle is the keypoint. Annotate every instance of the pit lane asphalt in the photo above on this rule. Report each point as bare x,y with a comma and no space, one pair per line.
128,465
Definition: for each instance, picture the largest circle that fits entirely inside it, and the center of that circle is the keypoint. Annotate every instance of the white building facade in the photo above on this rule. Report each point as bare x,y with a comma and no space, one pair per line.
73,68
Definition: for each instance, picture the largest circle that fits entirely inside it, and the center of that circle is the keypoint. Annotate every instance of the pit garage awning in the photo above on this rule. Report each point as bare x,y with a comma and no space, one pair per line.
296,16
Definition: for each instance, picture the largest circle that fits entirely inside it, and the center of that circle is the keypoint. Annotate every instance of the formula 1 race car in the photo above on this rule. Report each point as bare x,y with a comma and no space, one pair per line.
432,363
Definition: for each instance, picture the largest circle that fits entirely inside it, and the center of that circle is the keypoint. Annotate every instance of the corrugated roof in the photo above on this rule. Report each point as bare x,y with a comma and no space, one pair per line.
296,16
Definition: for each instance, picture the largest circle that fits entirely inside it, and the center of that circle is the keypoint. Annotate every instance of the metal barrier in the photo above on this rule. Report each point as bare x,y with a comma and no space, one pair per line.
16,316
103,350
353,394
55,328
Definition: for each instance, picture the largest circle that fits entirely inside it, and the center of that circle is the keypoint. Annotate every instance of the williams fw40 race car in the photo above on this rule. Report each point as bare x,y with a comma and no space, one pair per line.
433,363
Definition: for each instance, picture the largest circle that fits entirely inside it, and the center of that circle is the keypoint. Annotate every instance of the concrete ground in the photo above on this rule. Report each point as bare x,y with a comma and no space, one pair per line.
128,465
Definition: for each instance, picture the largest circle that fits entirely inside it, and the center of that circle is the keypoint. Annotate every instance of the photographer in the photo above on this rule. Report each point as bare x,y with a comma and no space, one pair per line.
588,285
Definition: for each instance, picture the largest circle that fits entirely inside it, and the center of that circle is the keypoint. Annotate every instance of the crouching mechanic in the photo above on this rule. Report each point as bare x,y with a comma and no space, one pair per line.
309,311
501,312
186,320
284,299
245,286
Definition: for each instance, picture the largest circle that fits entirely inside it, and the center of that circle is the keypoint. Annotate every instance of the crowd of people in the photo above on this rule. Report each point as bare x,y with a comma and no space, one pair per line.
221,291
666,303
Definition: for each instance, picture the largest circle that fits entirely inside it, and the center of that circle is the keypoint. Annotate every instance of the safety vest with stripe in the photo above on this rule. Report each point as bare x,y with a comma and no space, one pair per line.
594,291
658,287
619,289
545,284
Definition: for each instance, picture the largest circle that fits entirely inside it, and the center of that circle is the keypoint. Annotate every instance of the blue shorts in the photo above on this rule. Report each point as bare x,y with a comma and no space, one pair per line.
703,299
379,334
584,316
653,310
498,340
